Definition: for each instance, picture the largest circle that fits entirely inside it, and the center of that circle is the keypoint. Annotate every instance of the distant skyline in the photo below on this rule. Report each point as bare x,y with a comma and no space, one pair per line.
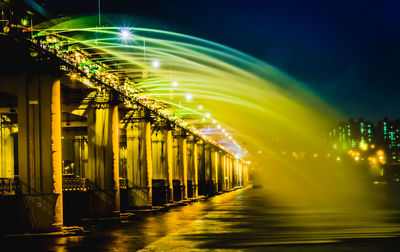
346,51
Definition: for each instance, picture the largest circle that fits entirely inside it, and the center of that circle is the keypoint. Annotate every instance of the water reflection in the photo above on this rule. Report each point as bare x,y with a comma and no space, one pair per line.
249,219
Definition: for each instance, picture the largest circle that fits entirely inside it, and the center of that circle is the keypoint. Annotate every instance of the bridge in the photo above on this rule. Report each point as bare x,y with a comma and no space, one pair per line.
78,143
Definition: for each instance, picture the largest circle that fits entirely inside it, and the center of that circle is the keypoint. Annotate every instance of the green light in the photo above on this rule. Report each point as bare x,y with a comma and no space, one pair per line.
25,22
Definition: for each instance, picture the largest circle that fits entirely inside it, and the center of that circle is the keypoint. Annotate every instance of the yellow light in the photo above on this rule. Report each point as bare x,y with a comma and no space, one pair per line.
380,153
338,158
372,146
356,158
315,155
381,157
363,146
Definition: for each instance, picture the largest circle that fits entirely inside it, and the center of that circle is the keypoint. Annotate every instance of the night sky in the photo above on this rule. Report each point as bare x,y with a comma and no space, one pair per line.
346,51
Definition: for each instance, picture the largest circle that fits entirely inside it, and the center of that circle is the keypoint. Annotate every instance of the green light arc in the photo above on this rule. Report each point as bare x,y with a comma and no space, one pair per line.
239,90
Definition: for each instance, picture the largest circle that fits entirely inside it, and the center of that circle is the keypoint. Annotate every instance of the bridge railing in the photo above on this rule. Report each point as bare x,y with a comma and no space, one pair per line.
75,184
7,186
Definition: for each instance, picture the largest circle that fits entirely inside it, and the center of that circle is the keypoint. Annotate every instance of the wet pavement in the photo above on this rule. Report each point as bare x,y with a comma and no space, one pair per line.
242,220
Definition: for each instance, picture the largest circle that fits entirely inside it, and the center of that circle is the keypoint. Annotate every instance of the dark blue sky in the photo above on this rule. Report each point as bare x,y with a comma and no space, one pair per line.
346,51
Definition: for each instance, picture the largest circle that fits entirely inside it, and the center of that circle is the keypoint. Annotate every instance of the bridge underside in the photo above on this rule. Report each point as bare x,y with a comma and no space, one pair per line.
68,151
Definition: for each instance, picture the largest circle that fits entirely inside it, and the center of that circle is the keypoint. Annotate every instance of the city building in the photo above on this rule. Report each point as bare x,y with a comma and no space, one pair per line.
352,134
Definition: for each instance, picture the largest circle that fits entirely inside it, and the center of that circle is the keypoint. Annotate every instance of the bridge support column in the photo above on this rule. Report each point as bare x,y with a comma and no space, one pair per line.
162,165
39,150
236,181
208,169
169,163
139,162
214,170
6,148
220,168
192,167
245,174
103,160
183,164
225,184
230,169
239,173
201,172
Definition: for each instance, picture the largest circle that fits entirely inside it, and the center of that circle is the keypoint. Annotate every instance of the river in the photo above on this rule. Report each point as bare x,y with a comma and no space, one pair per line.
243,220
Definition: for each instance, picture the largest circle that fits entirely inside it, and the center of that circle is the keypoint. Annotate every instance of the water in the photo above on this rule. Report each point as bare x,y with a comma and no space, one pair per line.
243,220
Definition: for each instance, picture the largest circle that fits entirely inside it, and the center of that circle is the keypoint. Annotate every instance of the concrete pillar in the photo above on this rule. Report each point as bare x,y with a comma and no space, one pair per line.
201,178
169,161
246,174
230,168
162,166
6,148
80,155
208,169
214,169
158,155
236,173
225,172
192,167
183,163
220,171
103,159
39,150
139,162
240,173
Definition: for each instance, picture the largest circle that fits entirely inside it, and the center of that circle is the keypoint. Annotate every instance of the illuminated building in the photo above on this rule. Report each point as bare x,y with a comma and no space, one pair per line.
388,136
352,134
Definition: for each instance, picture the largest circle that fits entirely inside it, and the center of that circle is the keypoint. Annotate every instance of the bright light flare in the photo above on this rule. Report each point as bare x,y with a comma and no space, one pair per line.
155,63
125,34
